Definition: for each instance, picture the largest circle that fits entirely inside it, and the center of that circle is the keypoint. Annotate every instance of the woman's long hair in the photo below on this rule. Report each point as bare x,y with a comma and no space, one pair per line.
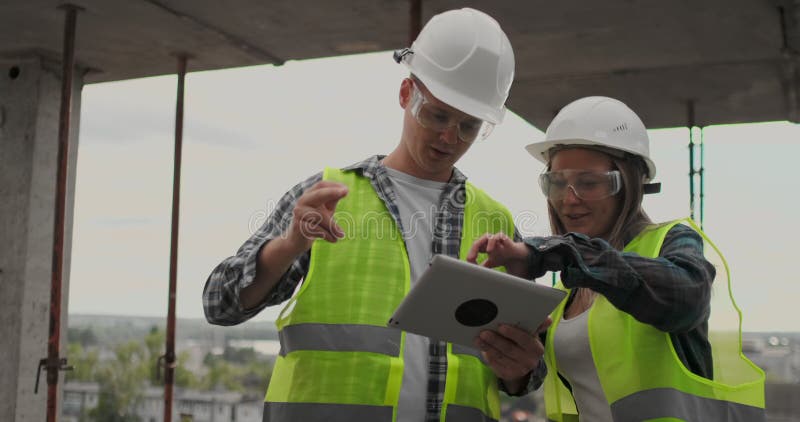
631,218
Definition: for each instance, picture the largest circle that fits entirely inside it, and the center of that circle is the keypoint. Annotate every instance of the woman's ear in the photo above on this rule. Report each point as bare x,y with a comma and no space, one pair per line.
406,89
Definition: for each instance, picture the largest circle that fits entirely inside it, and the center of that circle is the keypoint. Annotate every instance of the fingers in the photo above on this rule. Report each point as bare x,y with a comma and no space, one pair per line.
312,228
510,352
478,246
517,343
491,244
544,325
503,367
314,223
323,194
497,241
493,247
313,213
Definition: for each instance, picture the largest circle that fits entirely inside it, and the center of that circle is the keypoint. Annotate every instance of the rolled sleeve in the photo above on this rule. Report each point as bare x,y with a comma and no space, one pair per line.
221,302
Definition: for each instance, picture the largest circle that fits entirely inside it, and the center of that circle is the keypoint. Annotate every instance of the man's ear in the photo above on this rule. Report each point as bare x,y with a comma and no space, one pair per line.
406,89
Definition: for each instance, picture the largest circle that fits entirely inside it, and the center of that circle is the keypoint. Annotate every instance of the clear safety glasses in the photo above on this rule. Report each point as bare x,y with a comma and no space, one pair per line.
587,185
437,119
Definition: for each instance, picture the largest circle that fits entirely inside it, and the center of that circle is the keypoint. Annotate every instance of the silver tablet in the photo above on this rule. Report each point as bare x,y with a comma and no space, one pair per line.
455,300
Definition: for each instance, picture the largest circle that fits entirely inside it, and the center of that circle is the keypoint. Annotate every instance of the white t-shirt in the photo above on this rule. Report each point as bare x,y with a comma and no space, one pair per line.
417,202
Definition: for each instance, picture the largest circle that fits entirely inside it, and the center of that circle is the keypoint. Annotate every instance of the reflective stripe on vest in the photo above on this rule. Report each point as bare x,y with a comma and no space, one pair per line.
655,383
668,402
324,412
340,338
338,359
350,338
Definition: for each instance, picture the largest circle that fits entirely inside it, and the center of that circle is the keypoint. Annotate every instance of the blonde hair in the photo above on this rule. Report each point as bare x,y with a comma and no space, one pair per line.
631,218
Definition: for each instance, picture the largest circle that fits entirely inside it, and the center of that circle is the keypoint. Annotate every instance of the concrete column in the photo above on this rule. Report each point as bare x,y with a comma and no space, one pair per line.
30,97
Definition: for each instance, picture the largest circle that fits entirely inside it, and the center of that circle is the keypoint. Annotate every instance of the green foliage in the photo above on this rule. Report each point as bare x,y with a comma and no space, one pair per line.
237,370
84,363
183,377
123,378
122,381
83,336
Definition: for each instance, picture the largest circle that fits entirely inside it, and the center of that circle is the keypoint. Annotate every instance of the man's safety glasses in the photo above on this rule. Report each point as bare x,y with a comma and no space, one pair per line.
437,119
587,185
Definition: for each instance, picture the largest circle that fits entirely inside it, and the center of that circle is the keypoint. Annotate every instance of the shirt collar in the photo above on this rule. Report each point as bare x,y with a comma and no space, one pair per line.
372,166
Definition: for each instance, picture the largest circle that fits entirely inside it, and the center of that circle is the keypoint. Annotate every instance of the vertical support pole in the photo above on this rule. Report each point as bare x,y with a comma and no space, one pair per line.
701,172
415,20
690,125
169,357
54,363
791,62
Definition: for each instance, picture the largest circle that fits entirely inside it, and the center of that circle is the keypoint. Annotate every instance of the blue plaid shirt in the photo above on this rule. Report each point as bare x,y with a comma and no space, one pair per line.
221,294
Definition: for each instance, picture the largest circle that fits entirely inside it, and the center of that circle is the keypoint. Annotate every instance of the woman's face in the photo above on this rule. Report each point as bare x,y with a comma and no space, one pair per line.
594,218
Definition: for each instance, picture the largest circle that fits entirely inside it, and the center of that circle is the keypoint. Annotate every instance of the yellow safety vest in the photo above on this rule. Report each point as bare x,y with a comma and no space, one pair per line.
640,373
339,361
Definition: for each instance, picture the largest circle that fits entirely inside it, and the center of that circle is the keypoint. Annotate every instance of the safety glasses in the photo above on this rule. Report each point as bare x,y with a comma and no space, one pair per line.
435,118
587,185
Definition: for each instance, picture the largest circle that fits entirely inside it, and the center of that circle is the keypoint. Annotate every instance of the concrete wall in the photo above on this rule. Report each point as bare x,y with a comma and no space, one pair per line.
30,98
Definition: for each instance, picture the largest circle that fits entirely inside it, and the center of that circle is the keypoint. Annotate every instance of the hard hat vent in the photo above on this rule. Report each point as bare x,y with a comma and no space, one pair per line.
620,128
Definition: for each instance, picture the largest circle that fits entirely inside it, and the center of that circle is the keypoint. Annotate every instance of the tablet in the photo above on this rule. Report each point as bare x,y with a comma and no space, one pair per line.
455,300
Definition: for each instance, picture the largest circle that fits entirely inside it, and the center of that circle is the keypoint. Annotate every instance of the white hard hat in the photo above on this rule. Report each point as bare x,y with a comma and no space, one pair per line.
600,121
465,60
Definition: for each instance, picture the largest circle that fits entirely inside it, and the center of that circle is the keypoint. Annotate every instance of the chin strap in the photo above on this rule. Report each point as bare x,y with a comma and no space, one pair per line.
652,188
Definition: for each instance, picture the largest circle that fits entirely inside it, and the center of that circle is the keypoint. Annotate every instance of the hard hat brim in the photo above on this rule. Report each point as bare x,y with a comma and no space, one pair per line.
463,103
539,150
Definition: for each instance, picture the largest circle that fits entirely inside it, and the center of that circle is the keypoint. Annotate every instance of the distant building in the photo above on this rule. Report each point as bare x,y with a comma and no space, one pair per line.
188,405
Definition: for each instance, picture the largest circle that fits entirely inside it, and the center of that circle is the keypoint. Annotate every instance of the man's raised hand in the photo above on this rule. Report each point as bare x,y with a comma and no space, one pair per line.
312,217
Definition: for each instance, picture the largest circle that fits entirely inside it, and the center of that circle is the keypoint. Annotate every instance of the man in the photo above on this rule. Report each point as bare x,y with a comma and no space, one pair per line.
338,360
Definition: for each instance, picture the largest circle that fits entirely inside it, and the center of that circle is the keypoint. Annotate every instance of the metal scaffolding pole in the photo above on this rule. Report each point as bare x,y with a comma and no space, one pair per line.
169,357
54,363
700,173
690,125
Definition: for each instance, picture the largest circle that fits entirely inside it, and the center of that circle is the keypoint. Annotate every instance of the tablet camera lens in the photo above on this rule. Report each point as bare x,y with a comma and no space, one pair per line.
476,312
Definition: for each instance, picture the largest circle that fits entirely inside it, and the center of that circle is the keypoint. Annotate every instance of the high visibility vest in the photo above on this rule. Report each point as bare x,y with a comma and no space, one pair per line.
640,373
338,360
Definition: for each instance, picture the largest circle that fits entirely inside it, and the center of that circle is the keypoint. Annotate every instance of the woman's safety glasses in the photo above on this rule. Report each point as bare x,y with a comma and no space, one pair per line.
437,119
587,185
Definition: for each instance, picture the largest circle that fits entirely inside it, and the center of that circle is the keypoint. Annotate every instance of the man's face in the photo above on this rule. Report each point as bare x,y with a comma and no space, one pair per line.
433,153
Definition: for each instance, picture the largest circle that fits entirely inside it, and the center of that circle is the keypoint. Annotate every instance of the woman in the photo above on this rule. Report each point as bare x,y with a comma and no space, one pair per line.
631,341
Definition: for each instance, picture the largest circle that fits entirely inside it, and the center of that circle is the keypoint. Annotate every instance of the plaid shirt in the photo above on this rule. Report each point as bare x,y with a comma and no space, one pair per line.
671,292
221,294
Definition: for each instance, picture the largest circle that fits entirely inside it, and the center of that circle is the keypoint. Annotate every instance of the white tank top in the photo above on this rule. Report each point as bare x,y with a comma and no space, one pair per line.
575,363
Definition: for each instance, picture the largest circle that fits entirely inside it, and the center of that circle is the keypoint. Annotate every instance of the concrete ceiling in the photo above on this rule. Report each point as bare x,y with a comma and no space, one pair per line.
736,60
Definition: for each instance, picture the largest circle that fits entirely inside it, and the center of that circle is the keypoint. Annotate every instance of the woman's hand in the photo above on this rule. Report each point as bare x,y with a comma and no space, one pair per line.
502,251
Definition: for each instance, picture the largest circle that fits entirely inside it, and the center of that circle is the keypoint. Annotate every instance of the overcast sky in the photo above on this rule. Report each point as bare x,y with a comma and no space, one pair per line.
252,133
